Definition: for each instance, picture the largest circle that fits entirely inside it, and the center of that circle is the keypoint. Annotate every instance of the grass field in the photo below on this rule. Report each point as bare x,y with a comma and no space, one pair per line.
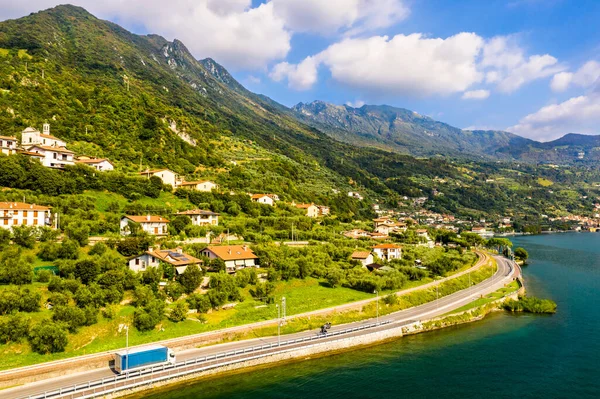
512,287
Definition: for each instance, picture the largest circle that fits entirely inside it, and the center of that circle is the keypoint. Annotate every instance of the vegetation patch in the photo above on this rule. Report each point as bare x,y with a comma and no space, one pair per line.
529,304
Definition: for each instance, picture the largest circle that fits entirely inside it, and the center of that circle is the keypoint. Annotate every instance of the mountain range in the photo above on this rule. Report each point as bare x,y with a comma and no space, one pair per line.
406,131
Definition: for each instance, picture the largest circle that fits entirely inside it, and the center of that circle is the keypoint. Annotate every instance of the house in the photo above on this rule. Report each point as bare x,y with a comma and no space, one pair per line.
364,257
153,225
33,155
201,185
53,156
22,214
100,164
355,195
31,137
323,210
482,232
8,145
312,211
153,257
201,217
167,176
267,199
236,257
423,233
356,233
388,251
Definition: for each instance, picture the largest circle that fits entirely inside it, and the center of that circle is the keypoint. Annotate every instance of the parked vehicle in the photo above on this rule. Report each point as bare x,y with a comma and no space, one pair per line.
140,358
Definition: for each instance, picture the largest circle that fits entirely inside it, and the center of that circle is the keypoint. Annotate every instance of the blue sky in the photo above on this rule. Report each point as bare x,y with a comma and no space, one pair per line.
529,66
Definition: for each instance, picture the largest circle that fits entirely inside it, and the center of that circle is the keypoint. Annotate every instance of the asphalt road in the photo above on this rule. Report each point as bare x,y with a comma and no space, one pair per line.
506,272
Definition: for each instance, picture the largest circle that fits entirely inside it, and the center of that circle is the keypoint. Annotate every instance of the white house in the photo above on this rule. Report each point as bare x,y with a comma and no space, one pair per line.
236,257
100,164
167,176
54,157
153,225
323,210
22,214
31,136
8,145
201,217
388,251
267,199
152,258
202,185
312,211
364,257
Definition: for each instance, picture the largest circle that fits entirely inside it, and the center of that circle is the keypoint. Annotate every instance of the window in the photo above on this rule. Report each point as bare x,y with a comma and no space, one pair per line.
35,214
6,222
137,261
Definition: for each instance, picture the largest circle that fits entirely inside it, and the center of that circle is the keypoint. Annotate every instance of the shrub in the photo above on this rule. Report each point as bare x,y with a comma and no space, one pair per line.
14,328
43,276
191,278
98,249
199,302
48,337
70,316
174,290
179,311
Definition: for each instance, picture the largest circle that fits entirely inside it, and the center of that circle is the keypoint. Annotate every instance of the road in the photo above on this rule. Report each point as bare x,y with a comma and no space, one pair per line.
505,273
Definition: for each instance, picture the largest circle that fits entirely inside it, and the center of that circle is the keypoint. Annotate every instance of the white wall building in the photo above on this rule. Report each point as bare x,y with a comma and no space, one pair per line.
388,251
266,199
153,225
202,185
54,157
100,164
236,257
152,258
22,214
8,145
364,257
167,176
201,217
31,136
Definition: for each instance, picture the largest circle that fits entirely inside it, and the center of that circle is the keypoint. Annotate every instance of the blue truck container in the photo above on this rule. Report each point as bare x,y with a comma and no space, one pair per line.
139,358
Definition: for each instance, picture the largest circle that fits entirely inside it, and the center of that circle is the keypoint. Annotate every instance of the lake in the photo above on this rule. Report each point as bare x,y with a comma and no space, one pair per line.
526,356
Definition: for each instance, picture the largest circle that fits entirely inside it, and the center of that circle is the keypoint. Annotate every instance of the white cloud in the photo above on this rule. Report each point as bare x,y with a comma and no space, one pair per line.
300,77
476,94
575,115
230,31
331,16
586,76
355,104
411,64
510,68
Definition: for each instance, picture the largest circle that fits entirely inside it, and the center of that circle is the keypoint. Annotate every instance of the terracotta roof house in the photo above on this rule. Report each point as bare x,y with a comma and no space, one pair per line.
152,258
200,185
8,145
23,214
364,257
388,251
100,164
236,257
153,225
167,176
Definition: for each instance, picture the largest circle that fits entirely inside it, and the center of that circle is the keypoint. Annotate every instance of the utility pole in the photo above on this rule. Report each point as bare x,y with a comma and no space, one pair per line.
283,307
278,325
377,307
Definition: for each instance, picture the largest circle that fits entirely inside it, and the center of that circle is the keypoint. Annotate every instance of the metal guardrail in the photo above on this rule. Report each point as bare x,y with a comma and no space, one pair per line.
70,391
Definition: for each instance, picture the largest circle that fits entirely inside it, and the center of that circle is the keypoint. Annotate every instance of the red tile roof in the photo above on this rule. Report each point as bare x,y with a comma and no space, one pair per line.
147,219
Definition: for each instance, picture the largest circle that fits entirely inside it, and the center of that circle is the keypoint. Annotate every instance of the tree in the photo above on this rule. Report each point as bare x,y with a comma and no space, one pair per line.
191,278
4,238
80,234
70,316
334,277
180,222
98,249
174,290
86,270
14,328
48,337
23,236
146,318
69,249
199,302
14,269
179,311
521,253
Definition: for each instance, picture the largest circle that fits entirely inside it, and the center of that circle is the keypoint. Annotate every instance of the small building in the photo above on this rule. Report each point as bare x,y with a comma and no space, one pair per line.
267,199
100,164
167,176
482,232
152,258
8,145
31,136
422,233
201,217
312,211
323,210
364,257
201,185
153,225
236,257
23,214
388,251
356,233
53,156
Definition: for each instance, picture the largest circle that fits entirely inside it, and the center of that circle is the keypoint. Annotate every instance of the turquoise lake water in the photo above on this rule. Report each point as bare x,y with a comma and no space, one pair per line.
503,356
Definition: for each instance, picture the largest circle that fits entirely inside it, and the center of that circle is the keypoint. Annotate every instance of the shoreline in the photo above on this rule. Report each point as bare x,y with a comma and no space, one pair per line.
326,349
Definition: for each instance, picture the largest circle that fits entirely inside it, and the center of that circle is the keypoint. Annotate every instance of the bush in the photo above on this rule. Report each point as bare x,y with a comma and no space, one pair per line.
146,318
199,302
43,276
69,249
391,299
98,249
521,253
48,337
70,316
49,251
110,312
14,328
87,270
174,290
24,236
179,311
